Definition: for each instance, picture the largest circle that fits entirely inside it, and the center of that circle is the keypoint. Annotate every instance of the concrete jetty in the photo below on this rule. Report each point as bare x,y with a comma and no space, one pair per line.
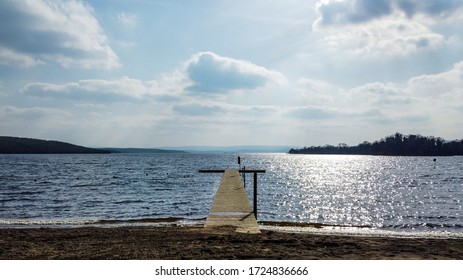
231,206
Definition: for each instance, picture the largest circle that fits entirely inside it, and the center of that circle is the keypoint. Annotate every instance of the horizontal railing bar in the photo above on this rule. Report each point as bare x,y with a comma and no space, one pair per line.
240,170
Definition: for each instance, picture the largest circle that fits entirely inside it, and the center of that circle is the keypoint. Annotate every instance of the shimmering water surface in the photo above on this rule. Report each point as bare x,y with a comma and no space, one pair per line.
386,193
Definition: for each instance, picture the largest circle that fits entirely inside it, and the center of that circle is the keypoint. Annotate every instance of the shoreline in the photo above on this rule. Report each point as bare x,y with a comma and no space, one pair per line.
187,242
277,226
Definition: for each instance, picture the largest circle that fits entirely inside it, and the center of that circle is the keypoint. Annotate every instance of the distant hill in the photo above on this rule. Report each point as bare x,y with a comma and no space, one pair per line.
17,145
232,149
393,145
143,151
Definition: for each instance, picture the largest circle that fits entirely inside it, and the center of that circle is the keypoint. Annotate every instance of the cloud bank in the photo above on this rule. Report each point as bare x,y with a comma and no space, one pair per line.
434,101
61,32
205,73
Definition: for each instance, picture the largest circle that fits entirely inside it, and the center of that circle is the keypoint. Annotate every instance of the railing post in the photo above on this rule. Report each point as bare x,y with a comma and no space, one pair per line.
244,176
255,195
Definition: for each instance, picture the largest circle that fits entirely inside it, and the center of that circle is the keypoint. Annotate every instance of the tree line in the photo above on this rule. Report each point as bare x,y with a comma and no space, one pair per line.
393,145
18,145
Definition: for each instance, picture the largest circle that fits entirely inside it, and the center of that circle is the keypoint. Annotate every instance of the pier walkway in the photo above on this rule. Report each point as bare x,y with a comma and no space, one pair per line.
231,206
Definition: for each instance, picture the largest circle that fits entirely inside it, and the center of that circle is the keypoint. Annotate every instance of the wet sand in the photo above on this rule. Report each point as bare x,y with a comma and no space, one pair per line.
219,243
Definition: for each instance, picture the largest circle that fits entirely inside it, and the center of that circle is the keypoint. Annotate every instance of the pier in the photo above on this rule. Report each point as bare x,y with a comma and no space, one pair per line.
231,206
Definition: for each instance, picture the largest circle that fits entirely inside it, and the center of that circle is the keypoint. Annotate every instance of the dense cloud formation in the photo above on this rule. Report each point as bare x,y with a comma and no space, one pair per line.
211,73
62,32
384,28
335,12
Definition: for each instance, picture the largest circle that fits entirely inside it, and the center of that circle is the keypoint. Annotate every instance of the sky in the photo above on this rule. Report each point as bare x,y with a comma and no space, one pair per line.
161,73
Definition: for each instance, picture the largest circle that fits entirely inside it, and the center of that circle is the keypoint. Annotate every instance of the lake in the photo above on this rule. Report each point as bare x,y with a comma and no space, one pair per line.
400,194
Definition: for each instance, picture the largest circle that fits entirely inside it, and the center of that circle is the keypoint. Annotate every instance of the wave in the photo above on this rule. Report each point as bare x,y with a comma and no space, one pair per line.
366,231
305,224
6,223
174,221
129,201
426,226
279,226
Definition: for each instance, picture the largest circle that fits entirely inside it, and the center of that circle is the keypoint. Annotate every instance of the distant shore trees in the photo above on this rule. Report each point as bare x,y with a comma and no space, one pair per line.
17,145
393,145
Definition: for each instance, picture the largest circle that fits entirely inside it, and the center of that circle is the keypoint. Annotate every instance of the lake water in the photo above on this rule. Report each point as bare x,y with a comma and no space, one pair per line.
401,194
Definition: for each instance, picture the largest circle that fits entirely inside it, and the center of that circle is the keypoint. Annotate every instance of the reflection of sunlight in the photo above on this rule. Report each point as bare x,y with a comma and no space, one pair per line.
373,191
333,189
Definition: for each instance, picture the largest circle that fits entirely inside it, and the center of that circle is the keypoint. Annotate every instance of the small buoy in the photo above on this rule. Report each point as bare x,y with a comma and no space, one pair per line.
434,160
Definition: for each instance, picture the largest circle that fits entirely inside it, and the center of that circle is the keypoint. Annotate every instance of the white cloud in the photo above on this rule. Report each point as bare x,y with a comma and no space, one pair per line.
170,87
386,38
211,73
30,113
364,29
205,73
63,32
449,82
93,89
12,58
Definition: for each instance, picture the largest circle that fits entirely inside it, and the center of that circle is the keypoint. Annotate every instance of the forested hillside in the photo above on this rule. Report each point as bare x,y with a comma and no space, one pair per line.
394,145
16,145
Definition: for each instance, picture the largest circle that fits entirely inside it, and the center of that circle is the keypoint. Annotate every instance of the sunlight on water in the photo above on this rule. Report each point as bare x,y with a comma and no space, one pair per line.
383,192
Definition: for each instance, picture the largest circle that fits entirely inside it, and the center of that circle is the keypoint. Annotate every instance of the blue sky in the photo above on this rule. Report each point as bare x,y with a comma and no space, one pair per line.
211,72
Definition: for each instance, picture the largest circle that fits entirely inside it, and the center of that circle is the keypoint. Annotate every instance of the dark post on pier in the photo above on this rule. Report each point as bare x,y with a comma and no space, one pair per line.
231,205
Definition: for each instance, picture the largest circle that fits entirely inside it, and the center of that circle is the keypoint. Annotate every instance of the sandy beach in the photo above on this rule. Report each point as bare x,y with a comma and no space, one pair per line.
219,243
